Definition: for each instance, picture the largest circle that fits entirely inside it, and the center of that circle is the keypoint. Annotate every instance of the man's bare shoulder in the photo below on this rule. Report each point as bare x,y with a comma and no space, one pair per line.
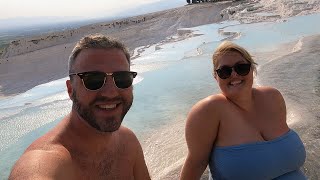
43,163
128,139
128,135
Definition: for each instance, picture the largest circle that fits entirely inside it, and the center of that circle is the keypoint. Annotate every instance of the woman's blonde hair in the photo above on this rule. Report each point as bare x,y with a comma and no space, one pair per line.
228,46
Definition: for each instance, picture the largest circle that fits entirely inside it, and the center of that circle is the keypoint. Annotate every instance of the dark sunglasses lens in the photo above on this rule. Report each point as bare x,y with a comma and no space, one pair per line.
123,79
242,69
93,80
224,72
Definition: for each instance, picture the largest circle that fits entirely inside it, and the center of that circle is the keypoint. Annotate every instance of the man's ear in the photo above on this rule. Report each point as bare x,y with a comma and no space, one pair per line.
69,88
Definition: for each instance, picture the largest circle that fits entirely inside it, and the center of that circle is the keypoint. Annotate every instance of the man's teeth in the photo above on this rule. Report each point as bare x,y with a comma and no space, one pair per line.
108,106
235,82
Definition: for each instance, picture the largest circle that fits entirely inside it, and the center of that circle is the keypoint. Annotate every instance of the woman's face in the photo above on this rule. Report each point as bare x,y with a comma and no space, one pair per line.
235,85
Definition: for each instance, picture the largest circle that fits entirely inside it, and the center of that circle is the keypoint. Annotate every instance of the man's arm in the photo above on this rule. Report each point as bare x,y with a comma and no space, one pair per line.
40,164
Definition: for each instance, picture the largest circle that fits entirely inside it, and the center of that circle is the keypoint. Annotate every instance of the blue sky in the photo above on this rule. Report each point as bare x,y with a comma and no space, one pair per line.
80,8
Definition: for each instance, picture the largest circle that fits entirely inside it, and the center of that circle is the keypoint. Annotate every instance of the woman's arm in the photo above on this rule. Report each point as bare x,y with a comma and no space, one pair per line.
201,131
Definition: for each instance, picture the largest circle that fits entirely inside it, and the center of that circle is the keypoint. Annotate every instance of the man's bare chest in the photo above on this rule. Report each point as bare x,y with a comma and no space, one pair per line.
109,165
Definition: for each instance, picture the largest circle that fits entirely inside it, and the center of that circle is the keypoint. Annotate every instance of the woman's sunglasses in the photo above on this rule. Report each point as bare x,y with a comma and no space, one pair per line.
225,71
94,80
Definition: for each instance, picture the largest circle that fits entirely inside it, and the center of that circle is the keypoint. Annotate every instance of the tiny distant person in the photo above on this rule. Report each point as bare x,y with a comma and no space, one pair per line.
241,133
90,142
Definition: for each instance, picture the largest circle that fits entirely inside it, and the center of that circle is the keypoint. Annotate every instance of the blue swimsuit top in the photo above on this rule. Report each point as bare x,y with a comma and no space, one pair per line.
280,158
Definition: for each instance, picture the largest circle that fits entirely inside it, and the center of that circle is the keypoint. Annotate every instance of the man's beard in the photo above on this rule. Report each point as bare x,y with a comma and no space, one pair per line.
109,124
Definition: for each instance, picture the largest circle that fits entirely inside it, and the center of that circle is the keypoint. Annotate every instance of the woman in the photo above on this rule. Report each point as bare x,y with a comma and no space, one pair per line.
241,133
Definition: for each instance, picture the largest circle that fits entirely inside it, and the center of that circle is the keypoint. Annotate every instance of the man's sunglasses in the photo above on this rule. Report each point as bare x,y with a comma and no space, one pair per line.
225,71
94,80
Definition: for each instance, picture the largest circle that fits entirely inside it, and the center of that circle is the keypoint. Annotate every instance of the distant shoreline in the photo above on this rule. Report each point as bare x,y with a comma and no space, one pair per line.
47,59
43,58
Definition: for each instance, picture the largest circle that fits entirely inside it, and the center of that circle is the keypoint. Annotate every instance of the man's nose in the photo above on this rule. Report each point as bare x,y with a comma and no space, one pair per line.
109,89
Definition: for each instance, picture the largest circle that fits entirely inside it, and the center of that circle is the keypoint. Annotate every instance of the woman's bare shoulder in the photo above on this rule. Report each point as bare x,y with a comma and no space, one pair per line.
272,100
267,90
269,93
207,110
211,102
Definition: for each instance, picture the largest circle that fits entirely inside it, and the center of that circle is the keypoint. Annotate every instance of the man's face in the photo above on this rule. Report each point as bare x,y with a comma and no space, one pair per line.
105,108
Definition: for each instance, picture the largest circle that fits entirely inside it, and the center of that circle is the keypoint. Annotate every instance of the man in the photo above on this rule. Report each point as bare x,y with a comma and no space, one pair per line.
90,142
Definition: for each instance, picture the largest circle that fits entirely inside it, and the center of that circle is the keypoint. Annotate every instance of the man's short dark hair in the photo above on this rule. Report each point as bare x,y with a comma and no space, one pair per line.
96,41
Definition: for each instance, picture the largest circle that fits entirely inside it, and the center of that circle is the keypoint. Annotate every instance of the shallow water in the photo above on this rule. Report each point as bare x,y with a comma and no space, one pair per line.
170,81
